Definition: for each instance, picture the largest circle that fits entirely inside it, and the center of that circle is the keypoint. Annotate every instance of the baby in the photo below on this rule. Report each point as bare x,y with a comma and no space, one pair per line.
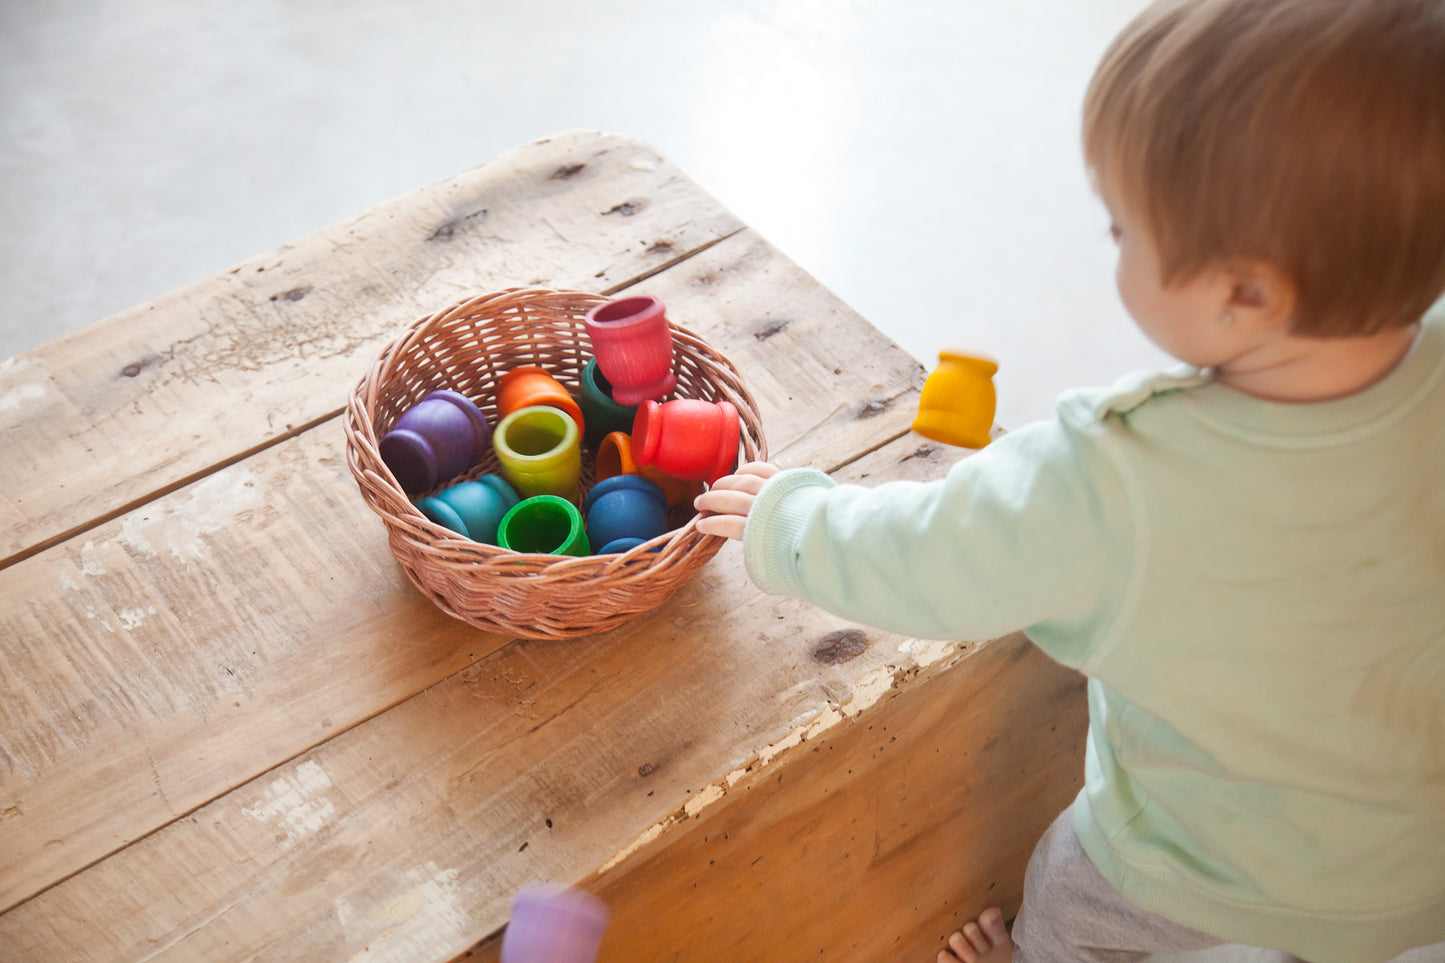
1245,555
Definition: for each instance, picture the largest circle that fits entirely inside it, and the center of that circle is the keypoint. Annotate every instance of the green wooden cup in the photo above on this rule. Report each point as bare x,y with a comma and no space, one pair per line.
546,525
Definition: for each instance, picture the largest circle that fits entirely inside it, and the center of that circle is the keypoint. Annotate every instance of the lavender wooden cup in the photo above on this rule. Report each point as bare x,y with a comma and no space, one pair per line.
552,925
437,438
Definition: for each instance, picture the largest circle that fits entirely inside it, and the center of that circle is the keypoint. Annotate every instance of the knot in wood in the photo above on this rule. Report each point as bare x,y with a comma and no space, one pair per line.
295,294
770,329
627,208
922,451
838,647
870,409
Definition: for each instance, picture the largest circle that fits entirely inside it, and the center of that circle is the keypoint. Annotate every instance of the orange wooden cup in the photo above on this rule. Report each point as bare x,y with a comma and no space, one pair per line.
614,457
530,386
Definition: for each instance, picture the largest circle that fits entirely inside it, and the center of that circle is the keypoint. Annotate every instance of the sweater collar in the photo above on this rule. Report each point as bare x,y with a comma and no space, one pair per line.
1415,378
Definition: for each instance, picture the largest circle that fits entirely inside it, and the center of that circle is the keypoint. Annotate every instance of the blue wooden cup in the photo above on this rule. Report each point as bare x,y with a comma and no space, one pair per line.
621,545
624,506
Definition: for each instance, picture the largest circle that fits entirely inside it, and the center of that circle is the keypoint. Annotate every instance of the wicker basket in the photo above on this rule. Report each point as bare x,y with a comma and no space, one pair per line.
467,348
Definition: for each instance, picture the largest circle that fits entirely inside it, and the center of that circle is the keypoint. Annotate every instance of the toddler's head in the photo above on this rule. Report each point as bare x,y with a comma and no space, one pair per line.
1306,134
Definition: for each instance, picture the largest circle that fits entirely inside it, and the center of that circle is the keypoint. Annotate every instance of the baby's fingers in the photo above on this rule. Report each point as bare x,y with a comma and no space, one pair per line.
724,502
752,484
728,526
730,499
763,469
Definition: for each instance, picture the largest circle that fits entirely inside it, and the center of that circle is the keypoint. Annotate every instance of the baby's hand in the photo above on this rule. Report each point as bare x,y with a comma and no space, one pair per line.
731,498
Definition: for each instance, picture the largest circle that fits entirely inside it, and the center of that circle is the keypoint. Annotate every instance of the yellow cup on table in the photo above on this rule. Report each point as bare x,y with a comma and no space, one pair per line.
958,401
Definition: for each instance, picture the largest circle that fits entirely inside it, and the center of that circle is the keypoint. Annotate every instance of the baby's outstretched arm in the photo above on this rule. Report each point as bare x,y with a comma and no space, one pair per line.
731,498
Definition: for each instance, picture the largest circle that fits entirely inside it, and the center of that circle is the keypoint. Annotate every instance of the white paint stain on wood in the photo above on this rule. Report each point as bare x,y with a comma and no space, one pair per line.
925,652
295,803
15,397
133,534
869,689
770,752
418,923
180,526
704,799
647,836
17,383
134,618
90,561
91,615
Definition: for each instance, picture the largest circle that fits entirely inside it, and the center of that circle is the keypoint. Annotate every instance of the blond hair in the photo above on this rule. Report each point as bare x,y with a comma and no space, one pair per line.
1306,133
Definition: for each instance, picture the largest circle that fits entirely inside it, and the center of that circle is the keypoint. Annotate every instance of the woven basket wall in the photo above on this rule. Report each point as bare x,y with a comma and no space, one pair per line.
467,348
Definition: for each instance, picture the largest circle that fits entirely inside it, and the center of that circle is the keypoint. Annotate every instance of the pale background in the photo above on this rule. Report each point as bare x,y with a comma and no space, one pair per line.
920,157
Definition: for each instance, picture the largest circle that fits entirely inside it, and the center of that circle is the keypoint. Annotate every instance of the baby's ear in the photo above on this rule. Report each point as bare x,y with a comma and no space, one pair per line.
1262,292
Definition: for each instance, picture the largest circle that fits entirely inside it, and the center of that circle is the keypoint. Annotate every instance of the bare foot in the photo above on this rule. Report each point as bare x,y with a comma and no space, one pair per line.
986,941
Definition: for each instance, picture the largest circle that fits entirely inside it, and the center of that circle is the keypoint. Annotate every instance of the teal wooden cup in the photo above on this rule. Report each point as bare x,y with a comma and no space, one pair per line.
545,525
471,508
540,452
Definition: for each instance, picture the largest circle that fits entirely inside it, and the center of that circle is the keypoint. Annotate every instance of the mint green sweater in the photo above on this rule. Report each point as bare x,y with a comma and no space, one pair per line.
1256,593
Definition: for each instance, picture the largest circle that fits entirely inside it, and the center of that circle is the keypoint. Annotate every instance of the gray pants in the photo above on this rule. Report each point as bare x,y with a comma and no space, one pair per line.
1072,914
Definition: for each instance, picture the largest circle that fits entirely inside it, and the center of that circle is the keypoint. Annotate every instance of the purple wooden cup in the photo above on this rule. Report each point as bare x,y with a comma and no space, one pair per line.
552,925
437,438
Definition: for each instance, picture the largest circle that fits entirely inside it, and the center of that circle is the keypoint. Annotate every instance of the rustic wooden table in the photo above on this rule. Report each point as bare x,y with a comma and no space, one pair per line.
231,729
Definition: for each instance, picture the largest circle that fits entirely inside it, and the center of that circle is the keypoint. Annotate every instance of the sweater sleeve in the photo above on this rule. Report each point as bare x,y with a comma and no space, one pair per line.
1031,533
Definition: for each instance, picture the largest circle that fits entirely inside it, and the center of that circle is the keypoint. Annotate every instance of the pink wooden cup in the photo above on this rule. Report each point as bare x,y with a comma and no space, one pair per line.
632,342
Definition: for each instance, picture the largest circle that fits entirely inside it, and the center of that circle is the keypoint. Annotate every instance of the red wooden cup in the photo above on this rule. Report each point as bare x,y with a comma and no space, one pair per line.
687,438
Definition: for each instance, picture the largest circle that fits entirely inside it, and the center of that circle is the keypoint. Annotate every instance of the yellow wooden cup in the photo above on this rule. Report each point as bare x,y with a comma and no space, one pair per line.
958,401
540,452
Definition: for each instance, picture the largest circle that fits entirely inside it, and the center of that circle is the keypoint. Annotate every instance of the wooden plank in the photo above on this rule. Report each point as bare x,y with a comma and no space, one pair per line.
897,827
158,395
175,653
405,837
170,655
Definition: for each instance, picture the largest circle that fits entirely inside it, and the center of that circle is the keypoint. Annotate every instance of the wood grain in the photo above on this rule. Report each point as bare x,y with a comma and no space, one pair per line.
405,837
172,654
183,649
159,395
892,830
230,729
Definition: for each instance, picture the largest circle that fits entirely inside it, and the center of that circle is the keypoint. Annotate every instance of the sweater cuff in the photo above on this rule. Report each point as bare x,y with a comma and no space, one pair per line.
775,528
